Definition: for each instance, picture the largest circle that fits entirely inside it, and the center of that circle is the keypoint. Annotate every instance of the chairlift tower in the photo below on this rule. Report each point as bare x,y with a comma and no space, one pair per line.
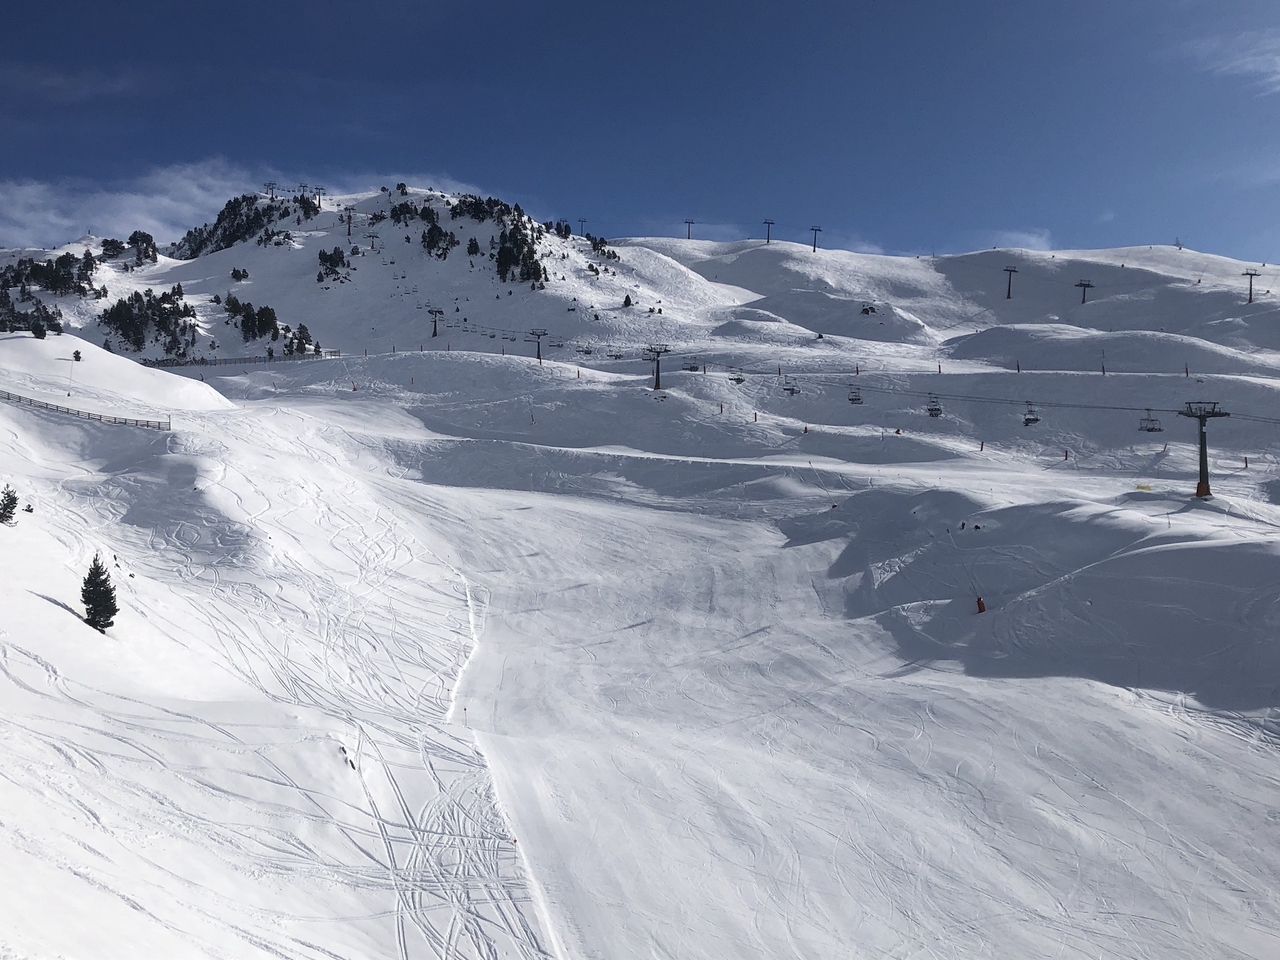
1251,273
436,314
1203,411
688,229
350,211
654,352
536,335
768,227
582,226
372,237
1085,286
319,192
270,187
1008,290
816,231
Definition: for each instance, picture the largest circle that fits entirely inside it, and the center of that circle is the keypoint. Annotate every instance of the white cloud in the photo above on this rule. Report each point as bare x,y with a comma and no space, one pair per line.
1106,216
27,82
1034,239
1250,55
165,201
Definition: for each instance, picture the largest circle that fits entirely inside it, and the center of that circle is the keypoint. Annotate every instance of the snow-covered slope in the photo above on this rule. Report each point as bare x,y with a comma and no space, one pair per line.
449,652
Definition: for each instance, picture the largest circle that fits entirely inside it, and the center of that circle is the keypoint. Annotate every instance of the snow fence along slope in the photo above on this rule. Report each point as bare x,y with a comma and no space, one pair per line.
304,792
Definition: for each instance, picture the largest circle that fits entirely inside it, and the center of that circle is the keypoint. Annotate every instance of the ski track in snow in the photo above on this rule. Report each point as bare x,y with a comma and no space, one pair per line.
373,644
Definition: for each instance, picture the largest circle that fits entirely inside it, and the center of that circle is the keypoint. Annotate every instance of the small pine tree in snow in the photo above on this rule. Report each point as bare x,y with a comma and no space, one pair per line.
98,596
627,302
8,504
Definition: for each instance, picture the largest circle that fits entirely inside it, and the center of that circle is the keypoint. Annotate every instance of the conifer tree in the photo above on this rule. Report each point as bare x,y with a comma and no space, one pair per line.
8,504
98,596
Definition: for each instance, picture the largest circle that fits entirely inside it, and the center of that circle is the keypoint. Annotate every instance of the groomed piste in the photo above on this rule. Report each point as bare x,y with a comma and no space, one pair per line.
431,648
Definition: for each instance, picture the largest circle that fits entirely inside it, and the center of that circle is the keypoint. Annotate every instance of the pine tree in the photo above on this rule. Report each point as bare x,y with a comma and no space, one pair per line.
8,504
627,302
98,596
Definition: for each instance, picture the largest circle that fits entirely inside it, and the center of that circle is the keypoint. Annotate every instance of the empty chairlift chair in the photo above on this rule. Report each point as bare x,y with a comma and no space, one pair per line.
934,406
1150,424
789,387
691,365
1030,418
855,395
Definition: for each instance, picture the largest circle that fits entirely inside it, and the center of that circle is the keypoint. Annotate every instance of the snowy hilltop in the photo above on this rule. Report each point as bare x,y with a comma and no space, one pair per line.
486,590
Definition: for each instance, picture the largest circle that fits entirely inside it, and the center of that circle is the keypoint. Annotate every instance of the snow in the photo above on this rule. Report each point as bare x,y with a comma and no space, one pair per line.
493,658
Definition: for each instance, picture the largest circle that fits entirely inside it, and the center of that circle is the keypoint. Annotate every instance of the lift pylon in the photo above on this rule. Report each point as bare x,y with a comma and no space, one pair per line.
1203,411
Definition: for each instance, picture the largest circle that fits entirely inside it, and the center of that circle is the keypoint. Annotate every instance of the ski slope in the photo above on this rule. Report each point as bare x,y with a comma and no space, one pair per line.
447,652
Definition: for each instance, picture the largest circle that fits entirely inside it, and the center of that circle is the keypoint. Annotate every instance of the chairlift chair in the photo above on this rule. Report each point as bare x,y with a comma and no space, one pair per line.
1030,417
615,353
1150,424
737,378
789,387
934,407
855,395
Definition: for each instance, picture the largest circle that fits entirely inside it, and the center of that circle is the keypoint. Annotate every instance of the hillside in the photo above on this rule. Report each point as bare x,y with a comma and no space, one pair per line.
431,649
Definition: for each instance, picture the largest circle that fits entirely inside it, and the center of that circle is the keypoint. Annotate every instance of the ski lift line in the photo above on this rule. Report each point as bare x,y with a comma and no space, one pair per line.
971,398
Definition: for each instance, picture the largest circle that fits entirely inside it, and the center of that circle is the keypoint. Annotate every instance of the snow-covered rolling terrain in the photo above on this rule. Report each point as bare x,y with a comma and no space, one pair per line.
433,649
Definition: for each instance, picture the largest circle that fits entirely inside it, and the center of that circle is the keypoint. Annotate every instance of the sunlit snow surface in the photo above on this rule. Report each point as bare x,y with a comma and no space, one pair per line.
487,658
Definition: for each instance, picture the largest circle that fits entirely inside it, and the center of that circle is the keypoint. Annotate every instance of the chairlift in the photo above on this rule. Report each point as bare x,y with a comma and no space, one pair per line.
615,353
789,387
1150,424
558,344
737,378
585,351
855,395
1030,417
934,407
691,365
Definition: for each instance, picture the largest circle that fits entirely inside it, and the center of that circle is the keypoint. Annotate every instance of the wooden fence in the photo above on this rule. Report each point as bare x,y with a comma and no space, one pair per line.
166,424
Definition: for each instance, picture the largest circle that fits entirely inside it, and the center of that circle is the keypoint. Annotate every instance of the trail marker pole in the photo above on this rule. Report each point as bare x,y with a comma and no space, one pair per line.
768,227
1085,286
816,231
1008,292
1203,411
1251,273
688,229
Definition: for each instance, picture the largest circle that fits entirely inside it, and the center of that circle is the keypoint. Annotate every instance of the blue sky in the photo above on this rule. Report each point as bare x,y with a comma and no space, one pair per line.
904,127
